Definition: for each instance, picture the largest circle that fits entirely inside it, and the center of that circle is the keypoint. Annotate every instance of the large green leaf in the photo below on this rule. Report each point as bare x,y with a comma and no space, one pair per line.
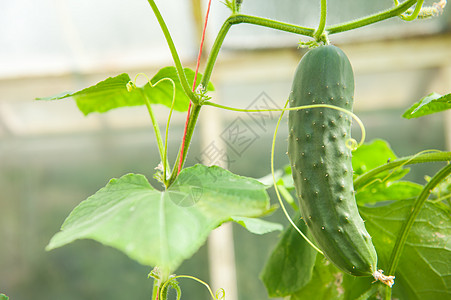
430,104
114,93
424,269
290,265
163,228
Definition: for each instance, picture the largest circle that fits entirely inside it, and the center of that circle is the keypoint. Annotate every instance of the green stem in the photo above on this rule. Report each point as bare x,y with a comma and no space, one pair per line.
409,160
322,22
381,16
195,109
155,289
238,19
175,56
402,237
156,128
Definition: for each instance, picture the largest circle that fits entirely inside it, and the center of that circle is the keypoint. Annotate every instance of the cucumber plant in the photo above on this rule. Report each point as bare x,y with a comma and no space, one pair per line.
322,170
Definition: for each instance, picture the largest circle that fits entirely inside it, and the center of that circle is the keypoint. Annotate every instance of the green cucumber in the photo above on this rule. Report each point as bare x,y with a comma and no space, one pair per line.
321,161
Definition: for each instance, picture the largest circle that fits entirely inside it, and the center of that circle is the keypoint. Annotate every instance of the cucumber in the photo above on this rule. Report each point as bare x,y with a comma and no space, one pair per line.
321,161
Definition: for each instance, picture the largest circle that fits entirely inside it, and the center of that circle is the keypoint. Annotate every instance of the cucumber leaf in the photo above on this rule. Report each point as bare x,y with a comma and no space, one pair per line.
3,297
113,92
423,271
290,265
163,228
430,104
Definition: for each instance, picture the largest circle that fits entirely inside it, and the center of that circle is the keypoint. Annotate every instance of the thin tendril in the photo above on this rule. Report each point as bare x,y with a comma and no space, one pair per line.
415,13
354,116
220,294
277,190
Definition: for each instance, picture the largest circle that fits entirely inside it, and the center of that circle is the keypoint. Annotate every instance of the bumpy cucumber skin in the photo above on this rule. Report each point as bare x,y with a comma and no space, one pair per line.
321,162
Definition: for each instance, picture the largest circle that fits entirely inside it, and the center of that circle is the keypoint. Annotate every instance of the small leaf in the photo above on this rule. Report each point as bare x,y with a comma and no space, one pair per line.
423,271
371,155
257,226
163,228
105,95
430,104
115,92
3,297
386,191
375,154
290,265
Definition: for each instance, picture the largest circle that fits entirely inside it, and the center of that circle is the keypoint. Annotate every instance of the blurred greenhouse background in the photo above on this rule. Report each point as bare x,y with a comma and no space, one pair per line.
51,157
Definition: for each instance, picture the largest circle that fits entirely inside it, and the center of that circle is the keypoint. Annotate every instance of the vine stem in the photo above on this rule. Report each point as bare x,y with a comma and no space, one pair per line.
402,237
194,115
322,22
381,16
156,289
194,87
175,56
240,19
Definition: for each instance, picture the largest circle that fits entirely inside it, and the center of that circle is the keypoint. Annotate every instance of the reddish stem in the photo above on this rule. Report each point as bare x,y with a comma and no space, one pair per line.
194,87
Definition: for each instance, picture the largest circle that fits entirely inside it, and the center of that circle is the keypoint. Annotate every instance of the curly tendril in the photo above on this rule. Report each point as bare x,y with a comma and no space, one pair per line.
219,295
